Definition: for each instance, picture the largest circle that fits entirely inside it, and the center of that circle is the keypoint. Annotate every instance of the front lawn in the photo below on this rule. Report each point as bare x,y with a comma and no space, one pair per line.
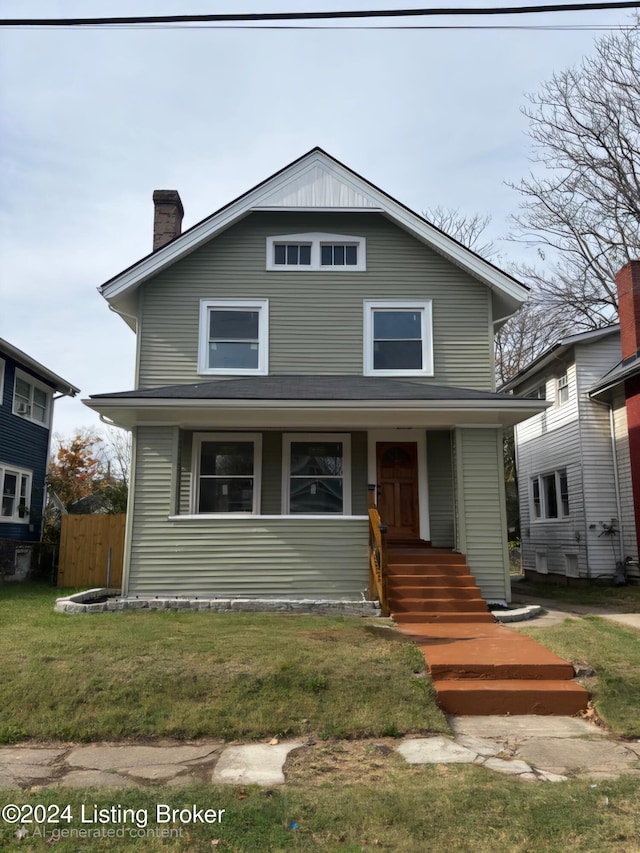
396,808
624,599
184,675
614,653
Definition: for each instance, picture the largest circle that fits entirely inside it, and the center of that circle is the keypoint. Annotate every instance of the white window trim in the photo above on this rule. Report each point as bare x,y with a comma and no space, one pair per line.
259,305
543,500
345,439
35,383
198,439
2,372
19,472
559,388
425,307
318,239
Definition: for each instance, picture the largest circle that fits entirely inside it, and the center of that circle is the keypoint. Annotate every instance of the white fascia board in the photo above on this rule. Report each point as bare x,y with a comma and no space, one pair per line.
192,239
56,382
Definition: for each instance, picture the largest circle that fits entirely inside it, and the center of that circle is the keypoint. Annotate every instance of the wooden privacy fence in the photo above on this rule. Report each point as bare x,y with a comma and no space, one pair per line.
91,546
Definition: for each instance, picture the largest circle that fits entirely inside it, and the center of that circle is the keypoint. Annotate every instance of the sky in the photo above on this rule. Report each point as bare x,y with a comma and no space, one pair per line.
93,120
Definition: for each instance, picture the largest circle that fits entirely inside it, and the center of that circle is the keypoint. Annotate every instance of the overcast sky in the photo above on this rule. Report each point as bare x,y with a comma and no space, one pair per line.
93,120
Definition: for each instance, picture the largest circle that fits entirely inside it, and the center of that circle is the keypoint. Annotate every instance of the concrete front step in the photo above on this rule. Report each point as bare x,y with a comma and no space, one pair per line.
441,617
428,581
402,592
437,605
513,696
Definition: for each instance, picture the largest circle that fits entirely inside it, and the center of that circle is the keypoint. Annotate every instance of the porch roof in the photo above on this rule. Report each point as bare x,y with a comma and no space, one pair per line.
298,401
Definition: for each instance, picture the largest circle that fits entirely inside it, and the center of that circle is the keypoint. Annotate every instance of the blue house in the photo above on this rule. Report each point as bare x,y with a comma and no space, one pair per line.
27,394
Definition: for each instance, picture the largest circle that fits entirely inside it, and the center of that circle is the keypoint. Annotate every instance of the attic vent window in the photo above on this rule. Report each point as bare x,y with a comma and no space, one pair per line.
292,254
316,252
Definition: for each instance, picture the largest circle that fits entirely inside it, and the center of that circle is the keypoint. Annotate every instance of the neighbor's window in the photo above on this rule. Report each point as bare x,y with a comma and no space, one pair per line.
233,337
15,490
227,471
398,339
550,495
563,389
316,474
315,252
31,400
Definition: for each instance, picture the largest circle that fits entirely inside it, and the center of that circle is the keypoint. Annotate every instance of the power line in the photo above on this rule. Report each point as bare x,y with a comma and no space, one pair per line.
256,17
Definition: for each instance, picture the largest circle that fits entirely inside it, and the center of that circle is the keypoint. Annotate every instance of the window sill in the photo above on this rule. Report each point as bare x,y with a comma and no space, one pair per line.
249,516
400,373
5,520
551,520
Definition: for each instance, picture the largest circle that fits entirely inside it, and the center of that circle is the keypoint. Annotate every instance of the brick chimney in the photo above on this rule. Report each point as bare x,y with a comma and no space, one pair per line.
628,285
167,217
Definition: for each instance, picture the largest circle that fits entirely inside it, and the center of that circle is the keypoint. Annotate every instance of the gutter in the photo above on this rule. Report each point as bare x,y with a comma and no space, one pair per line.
616,476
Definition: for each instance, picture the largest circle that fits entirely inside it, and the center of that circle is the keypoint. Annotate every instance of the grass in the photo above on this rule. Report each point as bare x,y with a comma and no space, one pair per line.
185,675
625,599
394,807
614,652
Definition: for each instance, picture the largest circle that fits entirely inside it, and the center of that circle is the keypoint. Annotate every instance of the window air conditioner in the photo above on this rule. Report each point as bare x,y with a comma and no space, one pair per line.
23,409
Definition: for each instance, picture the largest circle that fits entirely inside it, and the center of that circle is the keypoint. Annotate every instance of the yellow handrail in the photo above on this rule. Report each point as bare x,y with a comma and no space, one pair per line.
377,561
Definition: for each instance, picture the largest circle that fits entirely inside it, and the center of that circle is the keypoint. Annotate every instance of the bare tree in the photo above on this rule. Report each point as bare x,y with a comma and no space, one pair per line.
534,327
581,206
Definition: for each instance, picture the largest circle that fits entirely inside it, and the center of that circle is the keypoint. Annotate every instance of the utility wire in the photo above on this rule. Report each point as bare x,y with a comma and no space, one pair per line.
309,16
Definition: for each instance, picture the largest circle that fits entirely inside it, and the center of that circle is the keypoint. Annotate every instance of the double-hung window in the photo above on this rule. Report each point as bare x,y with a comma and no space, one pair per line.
31,400
226,475
563,389
234,337
398,339
316,474
15,494
550,495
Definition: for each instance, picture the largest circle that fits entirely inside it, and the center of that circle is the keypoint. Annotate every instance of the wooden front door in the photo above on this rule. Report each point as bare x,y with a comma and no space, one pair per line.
397,469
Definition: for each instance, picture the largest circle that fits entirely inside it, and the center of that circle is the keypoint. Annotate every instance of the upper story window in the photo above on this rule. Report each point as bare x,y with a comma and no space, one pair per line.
233,337
316,474
538,393
31,400
563,389
226,476
398,339
15,494
316,251
550,495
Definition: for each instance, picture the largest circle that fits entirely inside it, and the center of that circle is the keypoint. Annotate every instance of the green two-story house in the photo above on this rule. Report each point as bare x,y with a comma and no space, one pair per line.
310,346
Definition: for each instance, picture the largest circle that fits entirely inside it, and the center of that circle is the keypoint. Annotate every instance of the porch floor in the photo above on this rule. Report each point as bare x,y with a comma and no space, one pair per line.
477,666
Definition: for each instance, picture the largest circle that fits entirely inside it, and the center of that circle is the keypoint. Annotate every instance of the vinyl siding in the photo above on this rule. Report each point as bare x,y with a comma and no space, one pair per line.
481,495
316,318
440,479
25,445
600,506
549,442
242,557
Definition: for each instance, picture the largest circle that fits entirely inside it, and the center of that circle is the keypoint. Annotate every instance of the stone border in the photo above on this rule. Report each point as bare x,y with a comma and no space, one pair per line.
519,614
81,603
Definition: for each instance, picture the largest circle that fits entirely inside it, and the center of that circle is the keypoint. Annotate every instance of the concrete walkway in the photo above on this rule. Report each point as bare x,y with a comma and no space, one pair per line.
529,748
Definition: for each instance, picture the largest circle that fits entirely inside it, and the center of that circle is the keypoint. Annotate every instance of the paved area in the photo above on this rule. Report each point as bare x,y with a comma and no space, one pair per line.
528,748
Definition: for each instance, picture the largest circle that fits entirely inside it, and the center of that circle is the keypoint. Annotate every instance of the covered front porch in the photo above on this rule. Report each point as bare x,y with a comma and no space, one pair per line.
269,497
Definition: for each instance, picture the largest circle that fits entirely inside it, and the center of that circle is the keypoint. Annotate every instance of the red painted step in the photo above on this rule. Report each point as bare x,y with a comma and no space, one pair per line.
513,696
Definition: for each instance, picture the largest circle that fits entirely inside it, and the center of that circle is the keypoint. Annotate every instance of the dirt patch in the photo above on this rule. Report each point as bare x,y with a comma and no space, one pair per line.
343,762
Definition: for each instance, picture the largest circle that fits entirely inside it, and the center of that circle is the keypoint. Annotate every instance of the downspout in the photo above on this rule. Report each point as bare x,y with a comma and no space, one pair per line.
616,477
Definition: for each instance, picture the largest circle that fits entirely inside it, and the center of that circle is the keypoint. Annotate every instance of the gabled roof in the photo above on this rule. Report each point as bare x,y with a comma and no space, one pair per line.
555,353
48,376
317,182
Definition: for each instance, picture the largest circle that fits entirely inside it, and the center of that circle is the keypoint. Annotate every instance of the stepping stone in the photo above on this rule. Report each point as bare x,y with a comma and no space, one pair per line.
107,757
435,750
253,764
523,725
95,779
511,768
559,755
